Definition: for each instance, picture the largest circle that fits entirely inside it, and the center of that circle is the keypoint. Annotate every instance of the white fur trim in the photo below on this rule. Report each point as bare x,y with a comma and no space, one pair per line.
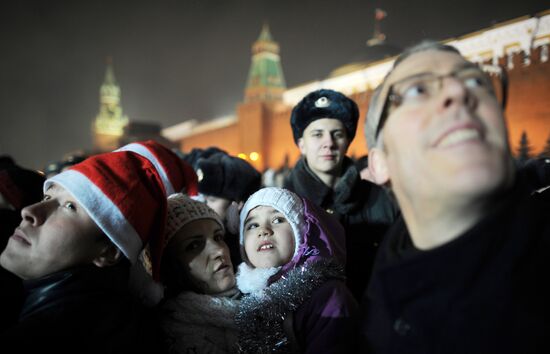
102,211
253,280
143,151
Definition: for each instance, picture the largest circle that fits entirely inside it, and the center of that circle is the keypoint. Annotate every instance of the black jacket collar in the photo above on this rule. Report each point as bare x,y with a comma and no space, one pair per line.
303,181
52,290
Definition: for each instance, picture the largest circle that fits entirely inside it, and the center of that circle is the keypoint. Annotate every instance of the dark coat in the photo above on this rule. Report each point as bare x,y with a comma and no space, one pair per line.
484,292
82,310
323,323
363,208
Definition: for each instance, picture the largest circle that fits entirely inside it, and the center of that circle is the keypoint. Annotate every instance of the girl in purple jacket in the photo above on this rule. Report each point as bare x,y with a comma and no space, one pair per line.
293,277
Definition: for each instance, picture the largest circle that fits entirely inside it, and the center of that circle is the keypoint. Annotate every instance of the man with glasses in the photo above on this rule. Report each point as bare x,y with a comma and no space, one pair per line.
465,268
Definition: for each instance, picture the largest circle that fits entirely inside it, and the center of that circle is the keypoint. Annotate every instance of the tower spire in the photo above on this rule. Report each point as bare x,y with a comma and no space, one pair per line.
266,81
265,35
110,122
109,73
378,37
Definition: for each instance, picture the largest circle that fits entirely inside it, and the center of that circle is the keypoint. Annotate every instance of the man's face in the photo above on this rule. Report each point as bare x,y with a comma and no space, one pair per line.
268,238
55,234
452,145
218,204
324,144
203,256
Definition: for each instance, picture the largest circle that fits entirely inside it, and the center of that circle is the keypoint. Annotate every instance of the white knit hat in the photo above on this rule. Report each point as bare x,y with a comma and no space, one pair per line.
283,200
182,210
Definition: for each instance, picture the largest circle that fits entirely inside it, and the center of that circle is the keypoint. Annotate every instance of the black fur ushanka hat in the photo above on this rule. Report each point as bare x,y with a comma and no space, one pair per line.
324,104
226,176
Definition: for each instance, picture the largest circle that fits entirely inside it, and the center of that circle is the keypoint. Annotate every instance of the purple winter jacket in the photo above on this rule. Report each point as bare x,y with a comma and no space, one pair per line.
323,323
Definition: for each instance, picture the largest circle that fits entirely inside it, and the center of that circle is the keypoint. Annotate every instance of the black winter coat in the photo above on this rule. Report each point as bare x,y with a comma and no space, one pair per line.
364,209
484,292
82,310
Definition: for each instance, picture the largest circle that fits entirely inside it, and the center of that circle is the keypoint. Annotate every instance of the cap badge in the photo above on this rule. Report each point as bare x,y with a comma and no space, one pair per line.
322,102
200,175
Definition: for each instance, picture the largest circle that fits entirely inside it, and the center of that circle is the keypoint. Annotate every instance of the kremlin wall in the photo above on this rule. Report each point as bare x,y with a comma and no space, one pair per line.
259,130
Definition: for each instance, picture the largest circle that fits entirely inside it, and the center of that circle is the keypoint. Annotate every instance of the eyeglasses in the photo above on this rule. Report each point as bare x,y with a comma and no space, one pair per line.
481,81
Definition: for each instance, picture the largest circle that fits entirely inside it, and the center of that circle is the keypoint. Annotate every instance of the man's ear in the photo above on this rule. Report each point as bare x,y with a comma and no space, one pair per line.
109,256
301,146
378,166
239,205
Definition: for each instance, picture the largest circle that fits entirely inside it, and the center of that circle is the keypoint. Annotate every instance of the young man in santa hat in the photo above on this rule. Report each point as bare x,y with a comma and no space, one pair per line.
73,250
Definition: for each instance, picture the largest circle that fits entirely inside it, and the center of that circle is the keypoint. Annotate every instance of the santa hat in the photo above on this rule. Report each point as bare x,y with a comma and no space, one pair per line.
125,193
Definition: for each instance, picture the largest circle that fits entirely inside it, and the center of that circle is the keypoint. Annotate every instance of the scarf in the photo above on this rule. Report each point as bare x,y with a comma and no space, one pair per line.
201,323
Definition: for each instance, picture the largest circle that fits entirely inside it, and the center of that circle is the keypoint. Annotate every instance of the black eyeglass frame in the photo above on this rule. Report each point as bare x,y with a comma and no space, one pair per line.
486,68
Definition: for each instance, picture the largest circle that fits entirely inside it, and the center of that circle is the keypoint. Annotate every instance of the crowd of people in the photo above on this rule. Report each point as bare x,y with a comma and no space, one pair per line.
438,245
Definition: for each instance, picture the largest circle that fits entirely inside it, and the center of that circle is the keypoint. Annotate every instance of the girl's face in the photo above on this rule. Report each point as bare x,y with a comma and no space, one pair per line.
268,238
203,255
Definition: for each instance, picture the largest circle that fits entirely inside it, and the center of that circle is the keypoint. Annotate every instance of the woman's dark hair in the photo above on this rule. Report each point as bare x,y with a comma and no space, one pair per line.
176,279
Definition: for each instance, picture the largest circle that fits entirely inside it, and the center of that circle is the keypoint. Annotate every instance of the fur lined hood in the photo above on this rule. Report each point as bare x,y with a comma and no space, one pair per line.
322,238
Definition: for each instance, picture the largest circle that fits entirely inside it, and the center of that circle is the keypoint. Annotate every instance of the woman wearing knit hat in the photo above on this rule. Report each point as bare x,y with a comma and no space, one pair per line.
293,277
73,250
225,183
201,296
324,123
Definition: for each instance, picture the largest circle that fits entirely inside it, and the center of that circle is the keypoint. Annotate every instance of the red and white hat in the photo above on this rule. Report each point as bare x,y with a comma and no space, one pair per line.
125,193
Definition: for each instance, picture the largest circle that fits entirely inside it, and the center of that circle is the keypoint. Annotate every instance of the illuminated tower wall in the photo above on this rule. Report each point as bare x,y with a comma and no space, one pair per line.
109,124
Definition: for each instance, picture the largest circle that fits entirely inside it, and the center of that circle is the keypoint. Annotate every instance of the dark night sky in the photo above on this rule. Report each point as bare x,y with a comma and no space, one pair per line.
179,60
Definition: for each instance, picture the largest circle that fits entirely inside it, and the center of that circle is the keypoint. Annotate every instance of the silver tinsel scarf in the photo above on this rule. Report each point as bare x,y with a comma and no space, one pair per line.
261,315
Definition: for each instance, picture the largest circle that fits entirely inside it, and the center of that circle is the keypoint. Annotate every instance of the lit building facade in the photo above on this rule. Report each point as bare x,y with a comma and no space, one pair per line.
110,122
112,128
260,128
